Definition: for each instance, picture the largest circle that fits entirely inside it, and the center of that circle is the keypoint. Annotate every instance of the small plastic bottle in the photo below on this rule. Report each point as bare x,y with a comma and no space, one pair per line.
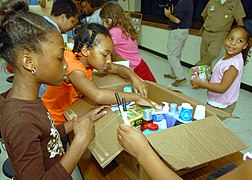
166,107
147,119
170,116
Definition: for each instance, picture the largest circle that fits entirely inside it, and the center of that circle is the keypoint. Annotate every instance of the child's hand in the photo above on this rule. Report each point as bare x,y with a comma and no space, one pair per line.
139,87
195,83
96,112
83,127
144,102
132,140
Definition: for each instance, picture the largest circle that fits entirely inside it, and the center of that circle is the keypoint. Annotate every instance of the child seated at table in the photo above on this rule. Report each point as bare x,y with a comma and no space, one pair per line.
92,49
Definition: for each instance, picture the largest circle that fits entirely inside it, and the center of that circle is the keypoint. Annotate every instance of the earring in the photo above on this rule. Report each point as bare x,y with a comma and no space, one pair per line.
33,71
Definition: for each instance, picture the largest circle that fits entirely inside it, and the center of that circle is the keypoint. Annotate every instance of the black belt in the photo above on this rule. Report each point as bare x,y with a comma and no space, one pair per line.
177,28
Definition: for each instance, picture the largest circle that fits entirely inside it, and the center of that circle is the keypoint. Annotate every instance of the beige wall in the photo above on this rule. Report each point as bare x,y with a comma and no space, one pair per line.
156,39
135,5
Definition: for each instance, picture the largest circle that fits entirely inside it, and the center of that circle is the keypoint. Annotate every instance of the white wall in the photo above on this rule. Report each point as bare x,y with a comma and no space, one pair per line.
135,5
156,39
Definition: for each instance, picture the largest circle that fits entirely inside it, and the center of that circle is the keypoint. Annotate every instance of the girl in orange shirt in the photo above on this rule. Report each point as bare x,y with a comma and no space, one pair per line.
93,47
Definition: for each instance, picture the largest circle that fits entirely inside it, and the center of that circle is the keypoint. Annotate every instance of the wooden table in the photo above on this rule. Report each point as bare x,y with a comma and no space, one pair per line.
91,169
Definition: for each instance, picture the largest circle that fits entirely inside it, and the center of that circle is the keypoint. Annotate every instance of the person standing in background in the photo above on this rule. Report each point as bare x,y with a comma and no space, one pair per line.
90,11
63,16
219,16
124,37
180,19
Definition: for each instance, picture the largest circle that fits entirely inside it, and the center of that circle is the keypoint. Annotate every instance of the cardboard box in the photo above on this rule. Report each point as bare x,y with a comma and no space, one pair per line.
110,81
182,147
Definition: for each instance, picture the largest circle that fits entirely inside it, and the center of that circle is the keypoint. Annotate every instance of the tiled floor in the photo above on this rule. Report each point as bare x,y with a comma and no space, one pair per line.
242,127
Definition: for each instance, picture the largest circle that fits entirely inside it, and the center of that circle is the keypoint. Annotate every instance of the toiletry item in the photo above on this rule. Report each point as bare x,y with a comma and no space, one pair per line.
152,127
203,71
200,112
166,107
159,119
185,115
173,107
147,119
128,89
170,119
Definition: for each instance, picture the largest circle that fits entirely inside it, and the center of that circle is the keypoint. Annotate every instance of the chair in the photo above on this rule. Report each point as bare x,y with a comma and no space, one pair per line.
10,70
136,20
7,169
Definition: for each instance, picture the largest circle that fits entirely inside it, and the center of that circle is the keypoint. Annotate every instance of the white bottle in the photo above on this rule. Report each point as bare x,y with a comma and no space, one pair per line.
166,107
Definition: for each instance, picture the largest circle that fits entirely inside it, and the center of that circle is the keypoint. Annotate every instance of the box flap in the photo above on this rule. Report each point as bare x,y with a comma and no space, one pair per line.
190,145
154,87
110,81
104,147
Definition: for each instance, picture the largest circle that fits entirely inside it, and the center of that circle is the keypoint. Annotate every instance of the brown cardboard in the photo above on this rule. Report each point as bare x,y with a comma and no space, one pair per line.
195,143
110,81
182,147
115,82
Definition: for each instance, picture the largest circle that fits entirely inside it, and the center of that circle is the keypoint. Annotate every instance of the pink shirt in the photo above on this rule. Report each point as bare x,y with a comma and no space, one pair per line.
125,47
232,93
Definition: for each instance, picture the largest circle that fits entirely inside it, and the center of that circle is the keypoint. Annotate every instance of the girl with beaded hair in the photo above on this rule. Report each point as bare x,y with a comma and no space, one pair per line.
93,47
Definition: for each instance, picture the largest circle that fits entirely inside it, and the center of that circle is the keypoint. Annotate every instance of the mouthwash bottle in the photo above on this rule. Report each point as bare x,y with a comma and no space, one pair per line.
147,119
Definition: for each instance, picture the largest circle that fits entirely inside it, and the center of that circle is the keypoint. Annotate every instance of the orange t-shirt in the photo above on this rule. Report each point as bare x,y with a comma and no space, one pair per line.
58,98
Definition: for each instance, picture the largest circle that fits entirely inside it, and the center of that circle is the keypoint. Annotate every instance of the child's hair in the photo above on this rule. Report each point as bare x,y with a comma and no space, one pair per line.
94,3
112,10
87,34
67,7
245,52
21,30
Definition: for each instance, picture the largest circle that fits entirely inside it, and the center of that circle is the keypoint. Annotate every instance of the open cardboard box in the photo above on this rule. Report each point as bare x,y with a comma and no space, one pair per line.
181,147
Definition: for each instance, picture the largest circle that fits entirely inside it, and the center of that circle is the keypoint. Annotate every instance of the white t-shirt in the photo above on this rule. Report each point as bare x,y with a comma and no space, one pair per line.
52,22
95,17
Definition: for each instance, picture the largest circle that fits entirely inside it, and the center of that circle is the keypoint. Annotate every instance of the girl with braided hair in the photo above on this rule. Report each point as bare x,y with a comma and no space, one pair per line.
32,141
93,47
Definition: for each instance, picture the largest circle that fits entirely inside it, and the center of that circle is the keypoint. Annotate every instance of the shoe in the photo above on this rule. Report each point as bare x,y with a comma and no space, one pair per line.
10,79
178,82
169,76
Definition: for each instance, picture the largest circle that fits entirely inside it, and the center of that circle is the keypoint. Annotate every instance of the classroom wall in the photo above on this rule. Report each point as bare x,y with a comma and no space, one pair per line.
156,39
134,5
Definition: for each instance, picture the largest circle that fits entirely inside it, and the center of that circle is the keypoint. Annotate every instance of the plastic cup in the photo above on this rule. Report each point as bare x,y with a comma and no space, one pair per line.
200,112
185,115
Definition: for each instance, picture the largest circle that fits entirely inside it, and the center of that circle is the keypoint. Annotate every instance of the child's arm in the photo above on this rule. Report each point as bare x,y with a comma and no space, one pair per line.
83,128
116,57
227,80
137,145
138,84
102,96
